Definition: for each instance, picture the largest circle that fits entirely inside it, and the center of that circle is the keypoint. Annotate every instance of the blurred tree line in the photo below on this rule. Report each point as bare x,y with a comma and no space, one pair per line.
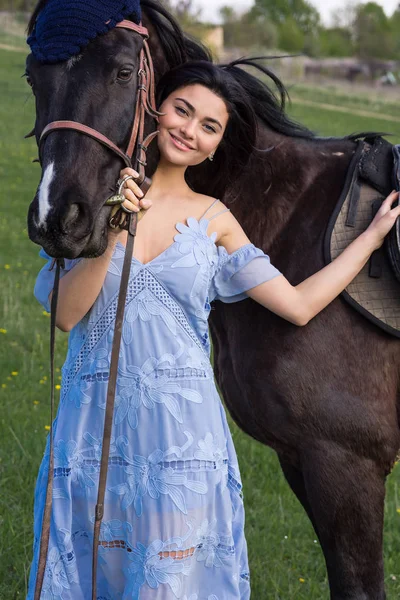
361,30
358,29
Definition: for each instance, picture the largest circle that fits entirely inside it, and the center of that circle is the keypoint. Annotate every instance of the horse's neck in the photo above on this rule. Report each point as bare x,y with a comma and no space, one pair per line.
293,181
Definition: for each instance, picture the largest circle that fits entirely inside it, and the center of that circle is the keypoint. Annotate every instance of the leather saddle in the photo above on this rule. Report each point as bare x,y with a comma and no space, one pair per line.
372,174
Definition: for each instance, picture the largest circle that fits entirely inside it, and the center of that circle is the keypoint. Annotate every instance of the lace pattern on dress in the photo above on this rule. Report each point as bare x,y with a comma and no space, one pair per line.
144,279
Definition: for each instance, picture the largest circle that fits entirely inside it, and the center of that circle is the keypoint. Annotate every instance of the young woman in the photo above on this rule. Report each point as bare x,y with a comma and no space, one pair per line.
174,521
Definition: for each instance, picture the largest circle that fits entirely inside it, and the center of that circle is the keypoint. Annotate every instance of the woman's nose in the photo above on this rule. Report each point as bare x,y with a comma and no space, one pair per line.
188,130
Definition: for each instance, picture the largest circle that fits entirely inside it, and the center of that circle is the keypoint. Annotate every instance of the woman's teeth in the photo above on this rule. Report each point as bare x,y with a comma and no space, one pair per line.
181,144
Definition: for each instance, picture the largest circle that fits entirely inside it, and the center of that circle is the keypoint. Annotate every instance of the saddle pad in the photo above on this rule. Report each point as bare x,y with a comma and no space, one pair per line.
377,298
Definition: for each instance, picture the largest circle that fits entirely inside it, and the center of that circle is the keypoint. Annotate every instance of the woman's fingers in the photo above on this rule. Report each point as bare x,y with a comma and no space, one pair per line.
131,185
128,171
130,196
390,199
134,204
396,212
133,194
130,188
386,206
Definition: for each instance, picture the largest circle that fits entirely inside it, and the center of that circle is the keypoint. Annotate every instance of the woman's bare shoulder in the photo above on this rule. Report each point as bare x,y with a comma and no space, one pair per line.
206,202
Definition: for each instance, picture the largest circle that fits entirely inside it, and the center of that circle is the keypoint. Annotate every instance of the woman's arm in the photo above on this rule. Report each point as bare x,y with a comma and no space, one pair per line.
299,304
80,287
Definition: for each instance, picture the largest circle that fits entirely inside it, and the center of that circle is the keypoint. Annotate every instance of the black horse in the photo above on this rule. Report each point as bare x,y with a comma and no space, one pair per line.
326,396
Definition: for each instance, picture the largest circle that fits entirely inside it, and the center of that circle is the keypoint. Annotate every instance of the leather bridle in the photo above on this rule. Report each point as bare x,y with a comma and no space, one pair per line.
145,103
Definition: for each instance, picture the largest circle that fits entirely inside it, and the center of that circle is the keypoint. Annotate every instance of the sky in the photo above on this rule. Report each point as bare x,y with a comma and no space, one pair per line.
325,7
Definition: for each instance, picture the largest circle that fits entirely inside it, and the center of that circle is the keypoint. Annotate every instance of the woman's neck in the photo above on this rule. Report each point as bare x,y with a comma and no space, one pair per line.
169,180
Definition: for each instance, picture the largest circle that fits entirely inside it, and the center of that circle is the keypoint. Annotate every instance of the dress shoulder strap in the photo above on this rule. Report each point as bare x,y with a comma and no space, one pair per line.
220,213
210,207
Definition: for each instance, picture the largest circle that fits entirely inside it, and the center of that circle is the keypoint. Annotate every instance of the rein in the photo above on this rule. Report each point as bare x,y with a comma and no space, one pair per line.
145,103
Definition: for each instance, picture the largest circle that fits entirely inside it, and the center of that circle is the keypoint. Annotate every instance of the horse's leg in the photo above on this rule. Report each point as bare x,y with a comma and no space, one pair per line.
346,494
295,479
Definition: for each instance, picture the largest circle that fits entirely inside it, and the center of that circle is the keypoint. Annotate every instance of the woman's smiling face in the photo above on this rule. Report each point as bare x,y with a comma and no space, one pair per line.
192,126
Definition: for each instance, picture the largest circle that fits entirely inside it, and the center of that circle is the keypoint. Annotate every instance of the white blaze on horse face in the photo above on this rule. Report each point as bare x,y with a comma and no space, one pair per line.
44,204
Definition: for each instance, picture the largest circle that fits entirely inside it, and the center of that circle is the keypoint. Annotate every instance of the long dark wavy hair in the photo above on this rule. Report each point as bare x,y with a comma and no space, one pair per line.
248,101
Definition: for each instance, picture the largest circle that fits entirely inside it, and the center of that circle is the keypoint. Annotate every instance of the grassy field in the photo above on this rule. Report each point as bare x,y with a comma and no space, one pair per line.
286,561
360,97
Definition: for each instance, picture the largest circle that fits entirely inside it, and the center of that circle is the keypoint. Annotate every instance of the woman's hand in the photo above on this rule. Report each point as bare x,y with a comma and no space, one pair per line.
384,220
134,196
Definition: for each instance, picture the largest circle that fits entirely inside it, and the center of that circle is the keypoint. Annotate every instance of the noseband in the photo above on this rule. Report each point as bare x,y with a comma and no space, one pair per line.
145,103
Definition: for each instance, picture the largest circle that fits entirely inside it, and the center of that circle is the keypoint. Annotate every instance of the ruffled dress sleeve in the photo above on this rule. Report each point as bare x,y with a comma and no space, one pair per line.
240,271
45,280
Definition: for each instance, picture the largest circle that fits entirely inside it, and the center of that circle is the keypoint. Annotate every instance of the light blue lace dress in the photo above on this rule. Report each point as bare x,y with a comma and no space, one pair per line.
174,523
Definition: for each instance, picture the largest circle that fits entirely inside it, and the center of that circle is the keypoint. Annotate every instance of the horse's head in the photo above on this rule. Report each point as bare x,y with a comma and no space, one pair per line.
97,88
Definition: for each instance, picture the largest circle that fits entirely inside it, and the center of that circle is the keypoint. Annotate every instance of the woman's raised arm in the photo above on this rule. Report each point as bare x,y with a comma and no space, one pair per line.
299,304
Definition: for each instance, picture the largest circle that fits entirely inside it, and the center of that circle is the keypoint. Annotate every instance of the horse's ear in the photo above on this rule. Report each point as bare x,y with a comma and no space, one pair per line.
38,8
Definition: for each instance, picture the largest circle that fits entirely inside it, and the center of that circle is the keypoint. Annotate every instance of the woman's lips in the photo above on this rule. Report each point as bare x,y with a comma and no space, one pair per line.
181,145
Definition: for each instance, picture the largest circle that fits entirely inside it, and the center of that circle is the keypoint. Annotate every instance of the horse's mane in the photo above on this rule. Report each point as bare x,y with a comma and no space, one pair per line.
177,46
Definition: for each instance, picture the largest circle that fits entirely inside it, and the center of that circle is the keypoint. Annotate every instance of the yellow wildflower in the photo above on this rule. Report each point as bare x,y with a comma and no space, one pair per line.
398,510
14,373
47,427
58,387
3,330
7,267
302,580
3,385
45,313
36,402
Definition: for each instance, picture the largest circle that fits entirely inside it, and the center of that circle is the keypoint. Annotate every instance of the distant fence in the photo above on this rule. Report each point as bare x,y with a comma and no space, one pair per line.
351,70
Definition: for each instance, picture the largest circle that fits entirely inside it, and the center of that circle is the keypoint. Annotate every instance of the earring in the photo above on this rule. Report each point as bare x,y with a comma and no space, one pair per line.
211,157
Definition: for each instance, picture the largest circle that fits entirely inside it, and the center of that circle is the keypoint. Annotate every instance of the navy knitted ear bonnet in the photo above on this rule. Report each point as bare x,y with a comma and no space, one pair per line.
64,27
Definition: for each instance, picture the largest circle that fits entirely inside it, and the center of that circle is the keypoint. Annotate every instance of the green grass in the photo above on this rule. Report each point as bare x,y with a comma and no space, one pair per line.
281,541
15,41
326,122
359,98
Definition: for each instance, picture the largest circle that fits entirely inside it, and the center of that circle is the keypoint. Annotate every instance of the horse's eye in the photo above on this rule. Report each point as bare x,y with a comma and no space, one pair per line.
30,83
125,74
28,79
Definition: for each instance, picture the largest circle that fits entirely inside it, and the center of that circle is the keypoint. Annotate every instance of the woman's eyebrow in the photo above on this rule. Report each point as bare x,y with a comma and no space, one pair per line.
192,108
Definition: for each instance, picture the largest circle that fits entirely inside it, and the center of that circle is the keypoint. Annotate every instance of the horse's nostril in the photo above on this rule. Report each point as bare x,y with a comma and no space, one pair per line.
74,221
71,215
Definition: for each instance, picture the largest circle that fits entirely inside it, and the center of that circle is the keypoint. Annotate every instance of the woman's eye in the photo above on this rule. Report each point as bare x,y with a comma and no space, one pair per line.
181,110
210,129
125,74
